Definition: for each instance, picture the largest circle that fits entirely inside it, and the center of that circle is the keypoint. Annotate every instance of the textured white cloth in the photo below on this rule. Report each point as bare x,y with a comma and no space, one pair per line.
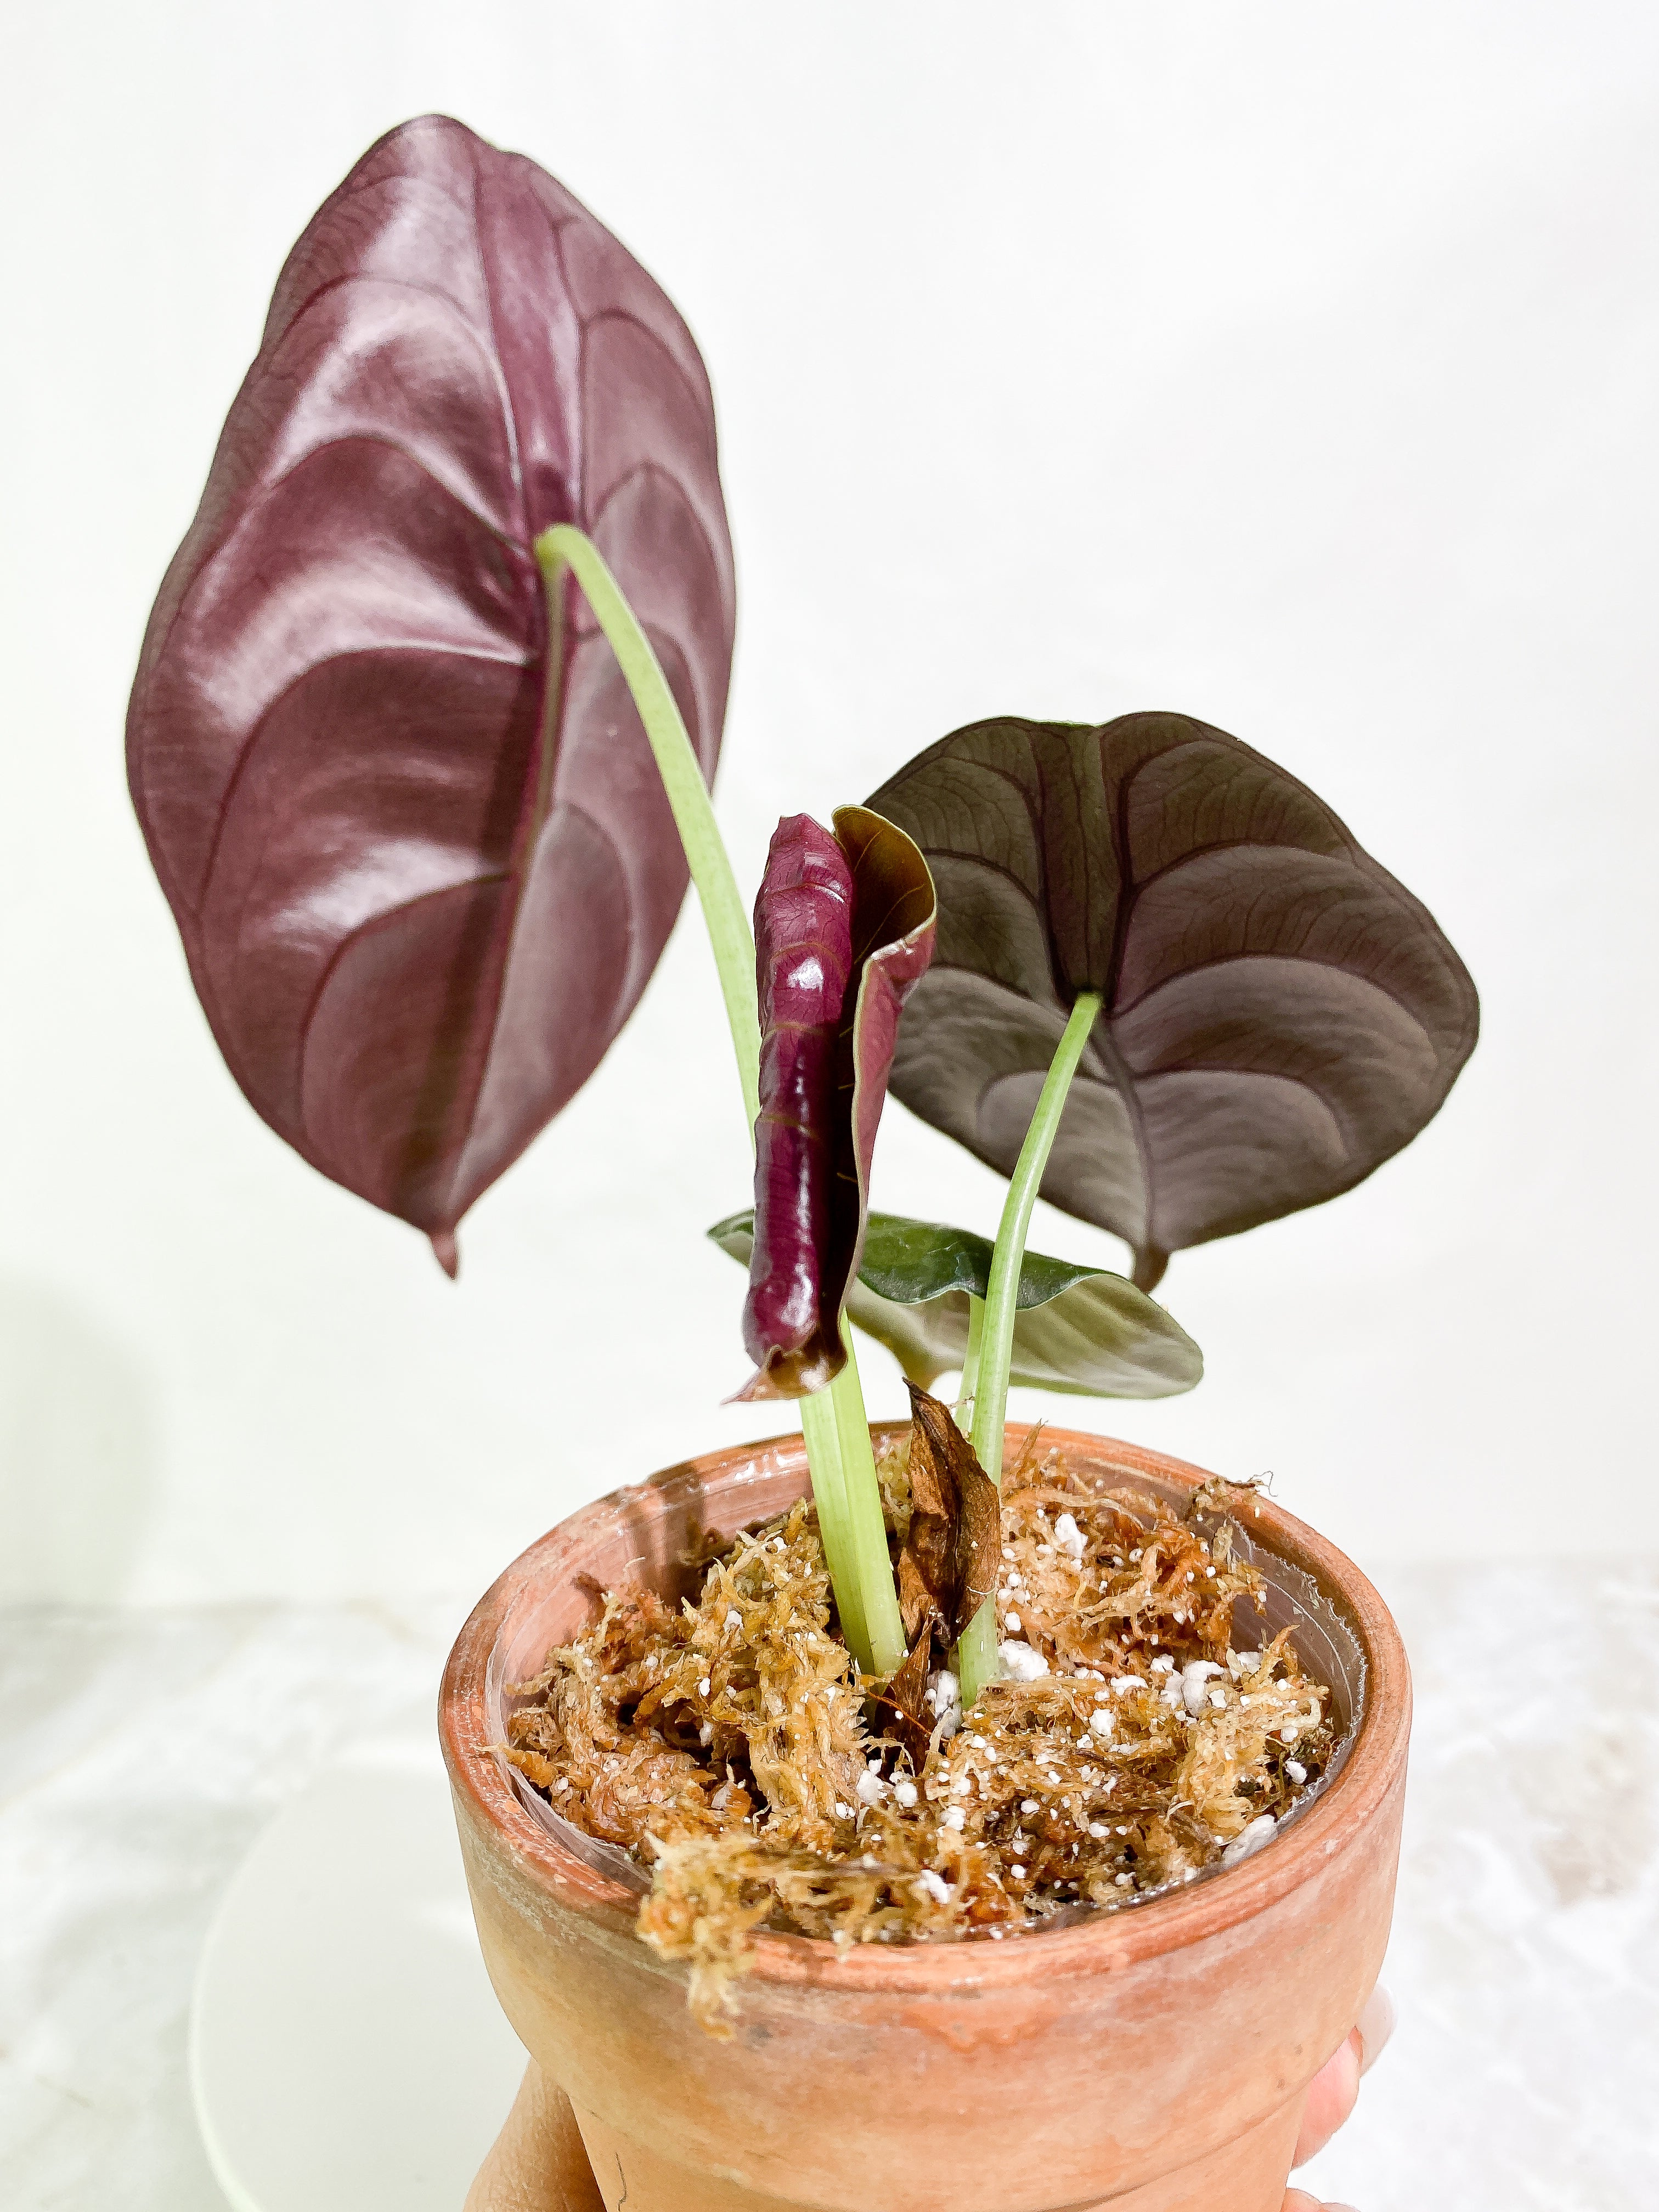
140,1755
1525,1957
142,1751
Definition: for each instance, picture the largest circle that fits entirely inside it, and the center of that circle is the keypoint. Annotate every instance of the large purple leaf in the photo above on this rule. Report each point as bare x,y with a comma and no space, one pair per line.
416,846
1280,1015
844,928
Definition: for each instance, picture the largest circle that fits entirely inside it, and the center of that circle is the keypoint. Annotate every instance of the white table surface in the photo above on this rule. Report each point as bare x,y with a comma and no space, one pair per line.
141,1753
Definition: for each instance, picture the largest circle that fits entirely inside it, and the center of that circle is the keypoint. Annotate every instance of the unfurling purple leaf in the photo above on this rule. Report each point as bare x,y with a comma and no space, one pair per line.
412,832
844,928
1280,1016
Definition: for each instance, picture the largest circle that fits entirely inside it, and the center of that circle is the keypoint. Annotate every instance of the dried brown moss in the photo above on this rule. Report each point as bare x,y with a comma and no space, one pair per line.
732,1747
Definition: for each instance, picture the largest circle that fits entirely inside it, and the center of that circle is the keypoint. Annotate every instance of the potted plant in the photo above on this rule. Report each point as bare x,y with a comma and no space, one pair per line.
938,1812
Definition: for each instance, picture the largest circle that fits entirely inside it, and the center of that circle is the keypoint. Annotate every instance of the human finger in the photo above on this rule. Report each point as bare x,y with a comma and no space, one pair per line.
1332,2092
1374,2027
1331,2095
538,2163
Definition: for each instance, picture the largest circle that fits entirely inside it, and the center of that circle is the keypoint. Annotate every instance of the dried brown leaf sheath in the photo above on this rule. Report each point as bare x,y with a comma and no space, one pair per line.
899,1710
947,1568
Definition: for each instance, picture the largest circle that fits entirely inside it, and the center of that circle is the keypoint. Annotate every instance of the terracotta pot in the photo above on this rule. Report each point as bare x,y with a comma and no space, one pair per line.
1154,2059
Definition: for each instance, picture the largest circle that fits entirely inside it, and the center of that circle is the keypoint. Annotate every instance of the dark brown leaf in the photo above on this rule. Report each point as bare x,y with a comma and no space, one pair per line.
924,1575
948,1565
898,1711
1280,1015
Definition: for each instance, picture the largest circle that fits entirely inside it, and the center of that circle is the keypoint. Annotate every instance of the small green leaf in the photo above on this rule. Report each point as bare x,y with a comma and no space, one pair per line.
1081,1330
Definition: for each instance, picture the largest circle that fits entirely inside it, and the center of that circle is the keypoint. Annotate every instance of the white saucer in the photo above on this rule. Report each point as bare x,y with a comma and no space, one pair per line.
346,2053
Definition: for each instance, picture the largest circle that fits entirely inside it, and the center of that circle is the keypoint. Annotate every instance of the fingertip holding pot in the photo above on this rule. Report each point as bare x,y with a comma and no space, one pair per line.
1154,2059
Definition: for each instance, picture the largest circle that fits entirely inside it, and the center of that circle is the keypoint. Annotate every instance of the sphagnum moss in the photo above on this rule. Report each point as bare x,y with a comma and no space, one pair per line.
732,1747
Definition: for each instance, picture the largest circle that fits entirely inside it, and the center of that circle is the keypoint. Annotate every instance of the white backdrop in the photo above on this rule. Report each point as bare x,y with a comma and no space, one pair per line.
1292,366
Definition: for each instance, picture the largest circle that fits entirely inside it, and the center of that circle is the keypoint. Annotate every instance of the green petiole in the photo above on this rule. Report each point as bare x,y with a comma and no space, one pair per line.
723,910
833,1421
977,1652
849,1498
970,1389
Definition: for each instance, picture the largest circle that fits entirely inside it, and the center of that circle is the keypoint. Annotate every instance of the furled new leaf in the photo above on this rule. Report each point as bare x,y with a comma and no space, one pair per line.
843,927
1081,1330
1280,1016
411,829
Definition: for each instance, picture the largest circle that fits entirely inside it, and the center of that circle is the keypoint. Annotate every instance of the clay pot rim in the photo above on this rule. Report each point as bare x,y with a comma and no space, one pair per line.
1114,1940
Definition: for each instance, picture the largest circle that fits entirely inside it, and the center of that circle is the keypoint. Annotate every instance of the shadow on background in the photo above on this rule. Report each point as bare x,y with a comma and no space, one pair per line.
77,1452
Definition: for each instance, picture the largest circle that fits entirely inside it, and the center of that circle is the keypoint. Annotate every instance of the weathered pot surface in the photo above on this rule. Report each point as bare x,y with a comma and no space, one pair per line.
1154,2059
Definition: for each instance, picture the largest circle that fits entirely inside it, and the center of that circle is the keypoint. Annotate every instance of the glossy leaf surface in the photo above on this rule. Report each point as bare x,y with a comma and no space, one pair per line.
1080,1330
1280,1016
844,928
411,830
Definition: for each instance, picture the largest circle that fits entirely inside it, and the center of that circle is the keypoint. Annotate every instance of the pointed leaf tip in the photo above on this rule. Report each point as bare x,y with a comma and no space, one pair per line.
447,1252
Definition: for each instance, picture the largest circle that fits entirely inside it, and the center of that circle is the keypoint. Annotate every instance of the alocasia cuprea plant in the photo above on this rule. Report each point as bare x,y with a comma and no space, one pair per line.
421,741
